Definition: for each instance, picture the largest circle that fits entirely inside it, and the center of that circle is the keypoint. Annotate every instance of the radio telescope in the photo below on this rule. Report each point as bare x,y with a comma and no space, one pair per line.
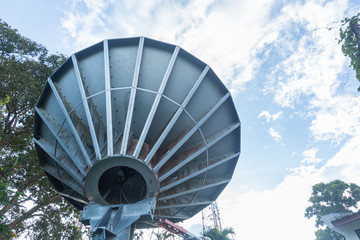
134,130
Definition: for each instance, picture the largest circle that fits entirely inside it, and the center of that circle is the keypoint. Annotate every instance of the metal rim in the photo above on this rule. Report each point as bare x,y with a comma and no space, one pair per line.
97,171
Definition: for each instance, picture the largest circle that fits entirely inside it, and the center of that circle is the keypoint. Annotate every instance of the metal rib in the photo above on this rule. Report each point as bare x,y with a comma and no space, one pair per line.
53,172
190,133
73,198
156,103
60,141
68,170
175,117
71,125
130,109
198,152
194,174
184,205
86,107
169,217
109,127
194,190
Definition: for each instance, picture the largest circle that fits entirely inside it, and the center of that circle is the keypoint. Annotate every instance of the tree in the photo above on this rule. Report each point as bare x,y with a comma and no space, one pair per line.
350,40
138,235
333,197
24,68
217,234
164,235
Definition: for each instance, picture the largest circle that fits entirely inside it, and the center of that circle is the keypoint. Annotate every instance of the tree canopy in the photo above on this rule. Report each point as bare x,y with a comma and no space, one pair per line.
164,235
28,203
333,197
217,234
350,40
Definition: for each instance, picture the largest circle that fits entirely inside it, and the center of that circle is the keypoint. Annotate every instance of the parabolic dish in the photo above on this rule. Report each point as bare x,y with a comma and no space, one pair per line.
127,119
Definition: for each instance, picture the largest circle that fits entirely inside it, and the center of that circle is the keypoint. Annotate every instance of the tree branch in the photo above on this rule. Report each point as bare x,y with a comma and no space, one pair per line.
34,209
32,181
355,28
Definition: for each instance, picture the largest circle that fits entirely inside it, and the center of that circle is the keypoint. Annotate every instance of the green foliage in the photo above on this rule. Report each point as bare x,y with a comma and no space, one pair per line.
164,235
328,234
4,230
138,235
333,197
217,234
4,189
5,192
2,105
24,68
350,39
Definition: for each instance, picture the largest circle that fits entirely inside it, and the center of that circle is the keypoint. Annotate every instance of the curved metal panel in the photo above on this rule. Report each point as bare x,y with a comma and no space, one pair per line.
139,100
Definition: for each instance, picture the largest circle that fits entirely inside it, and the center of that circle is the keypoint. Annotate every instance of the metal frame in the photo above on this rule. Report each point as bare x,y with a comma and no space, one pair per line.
167,187
155,104
190,133
86,107
68,120
130,109
194,190
110,145
198,152
175,146
59,140
176,116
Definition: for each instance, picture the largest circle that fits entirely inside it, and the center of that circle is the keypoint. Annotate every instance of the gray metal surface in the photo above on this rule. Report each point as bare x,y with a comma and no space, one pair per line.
137,113
116,222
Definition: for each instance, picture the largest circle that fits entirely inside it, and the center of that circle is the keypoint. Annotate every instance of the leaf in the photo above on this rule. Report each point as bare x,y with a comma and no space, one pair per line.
333,197
24,68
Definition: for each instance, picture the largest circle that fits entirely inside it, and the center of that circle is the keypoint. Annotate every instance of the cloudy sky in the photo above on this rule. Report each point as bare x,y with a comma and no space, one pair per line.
295,94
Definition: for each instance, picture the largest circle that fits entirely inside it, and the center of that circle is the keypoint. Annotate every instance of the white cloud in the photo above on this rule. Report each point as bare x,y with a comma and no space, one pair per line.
345,165
226,35
274,134
271,214
308,75
310,72
269,116
310,156
339,117
278,213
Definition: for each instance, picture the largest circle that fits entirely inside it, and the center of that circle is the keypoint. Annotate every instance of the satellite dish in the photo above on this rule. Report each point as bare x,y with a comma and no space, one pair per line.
127,120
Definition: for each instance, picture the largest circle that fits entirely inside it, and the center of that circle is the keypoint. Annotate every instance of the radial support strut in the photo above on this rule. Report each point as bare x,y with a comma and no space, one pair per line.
117,222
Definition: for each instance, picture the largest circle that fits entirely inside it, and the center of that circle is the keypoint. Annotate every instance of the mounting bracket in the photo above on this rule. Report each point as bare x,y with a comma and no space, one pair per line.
117,222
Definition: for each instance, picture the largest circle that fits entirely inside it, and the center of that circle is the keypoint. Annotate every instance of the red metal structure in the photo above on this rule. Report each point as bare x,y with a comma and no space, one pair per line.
175,229
211,217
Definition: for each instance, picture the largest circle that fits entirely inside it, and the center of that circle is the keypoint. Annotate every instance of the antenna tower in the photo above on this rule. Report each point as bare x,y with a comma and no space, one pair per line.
211,217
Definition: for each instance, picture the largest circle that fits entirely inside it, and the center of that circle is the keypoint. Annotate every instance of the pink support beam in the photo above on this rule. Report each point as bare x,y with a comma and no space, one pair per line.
173,228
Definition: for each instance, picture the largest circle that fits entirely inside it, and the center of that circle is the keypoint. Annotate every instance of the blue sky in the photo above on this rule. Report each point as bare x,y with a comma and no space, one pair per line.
295,95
